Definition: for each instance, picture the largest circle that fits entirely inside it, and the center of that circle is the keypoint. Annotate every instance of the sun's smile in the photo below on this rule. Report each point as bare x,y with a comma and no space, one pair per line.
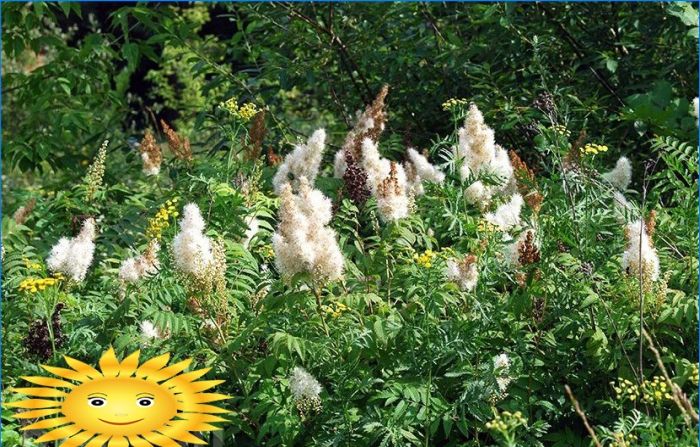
158,403
122,423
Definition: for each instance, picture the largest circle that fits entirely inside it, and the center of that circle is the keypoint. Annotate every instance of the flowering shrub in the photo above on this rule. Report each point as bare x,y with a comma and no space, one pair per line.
355,284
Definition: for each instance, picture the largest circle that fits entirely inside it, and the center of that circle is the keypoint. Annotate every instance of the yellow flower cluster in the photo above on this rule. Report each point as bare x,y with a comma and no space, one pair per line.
267,252
453,103
426,259
622,440
506,421
33,285
694,374
245,113
335,309
594,149
656,390
625,390
561,130
31,265
161,220
484,226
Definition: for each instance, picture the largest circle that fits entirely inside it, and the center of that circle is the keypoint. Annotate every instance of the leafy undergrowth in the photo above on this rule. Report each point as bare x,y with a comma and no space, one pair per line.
358,301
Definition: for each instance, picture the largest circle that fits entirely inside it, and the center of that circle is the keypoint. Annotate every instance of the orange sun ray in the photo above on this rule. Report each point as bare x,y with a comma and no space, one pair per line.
128,365
59,433
109,365
32,414
186,378
166,373
77,440
97,441
66,373
82,368
160,440
152,365
40,392
34,404
181,432
137,441
118,441
48,381
47,423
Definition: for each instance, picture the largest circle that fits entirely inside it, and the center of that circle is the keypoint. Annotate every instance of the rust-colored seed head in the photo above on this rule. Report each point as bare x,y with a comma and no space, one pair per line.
650,224
355,179
529,253
257,135
20,216
180,148
373,114
390,183
273,159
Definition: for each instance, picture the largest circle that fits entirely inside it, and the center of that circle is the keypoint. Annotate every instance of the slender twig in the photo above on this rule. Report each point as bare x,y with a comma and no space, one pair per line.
582,415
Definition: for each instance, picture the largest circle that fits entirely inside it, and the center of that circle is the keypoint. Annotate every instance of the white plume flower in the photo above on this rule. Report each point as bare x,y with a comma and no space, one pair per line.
640,255
303,242
393,202
303,161
621,176
73,256
419,169
511,251
463,272
479,153
147,264
150,332
191,248
507,215
303,385
501,362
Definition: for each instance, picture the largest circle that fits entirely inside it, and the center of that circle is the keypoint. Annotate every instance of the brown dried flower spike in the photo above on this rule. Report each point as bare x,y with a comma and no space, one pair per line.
385,187
373,119
150,153
257,135
20,216
181,148
529,253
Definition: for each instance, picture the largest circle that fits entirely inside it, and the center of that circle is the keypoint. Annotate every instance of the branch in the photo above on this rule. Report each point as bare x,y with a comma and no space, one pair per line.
582,415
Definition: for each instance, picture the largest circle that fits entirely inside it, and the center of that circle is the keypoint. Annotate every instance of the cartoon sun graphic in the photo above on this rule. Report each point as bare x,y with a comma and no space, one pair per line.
123,404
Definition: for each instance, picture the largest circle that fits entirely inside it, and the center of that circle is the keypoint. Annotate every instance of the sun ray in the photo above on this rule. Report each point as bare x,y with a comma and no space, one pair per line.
181,432
118,441
77,440
152,365
98,441
198,408
34,404
47,423
170,371
128,366
201,417
82,368
60,433
48,381
160,440
32,414
137,441
109,365
40,392
66,373
186,377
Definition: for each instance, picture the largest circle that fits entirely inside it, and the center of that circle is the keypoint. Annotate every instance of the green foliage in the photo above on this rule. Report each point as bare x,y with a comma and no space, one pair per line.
403,355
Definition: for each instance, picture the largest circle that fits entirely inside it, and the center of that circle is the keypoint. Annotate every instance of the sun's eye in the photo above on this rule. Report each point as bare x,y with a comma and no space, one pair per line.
144,401
97,401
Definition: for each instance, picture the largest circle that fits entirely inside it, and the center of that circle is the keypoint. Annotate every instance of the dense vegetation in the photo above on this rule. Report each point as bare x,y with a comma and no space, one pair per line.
352,291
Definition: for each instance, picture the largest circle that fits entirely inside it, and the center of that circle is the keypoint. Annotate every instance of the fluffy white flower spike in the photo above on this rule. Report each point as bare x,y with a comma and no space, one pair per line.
621,176
480,154
392,199
303,161
73,256
640,255
192,249
303,242
418,169
303,385
135,268
507,216
463,272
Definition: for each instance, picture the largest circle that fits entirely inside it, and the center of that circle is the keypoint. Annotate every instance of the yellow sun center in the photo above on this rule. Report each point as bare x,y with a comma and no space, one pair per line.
120,406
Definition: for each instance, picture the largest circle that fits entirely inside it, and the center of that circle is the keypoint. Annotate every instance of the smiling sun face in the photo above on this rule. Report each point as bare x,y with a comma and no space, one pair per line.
122,404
